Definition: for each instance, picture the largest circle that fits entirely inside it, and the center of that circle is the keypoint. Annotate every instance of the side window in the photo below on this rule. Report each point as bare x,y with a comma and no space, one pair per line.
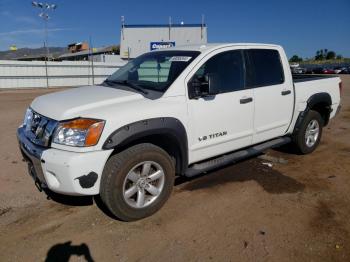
228,70
264,68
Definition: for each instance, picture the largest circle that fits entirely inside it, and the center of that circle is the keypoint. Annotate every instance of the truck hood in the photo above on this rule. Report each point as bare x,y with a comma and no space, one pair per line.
73,102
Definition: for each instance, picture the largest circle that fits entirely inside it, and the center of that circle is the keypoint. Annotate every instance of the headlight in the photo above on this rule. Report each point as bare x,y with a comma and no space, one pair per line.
28,117
79,132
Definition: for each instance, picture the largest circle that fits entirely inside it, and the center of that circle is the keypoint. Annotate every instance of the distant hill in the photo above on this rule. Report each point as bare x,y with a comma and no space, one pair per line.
31,52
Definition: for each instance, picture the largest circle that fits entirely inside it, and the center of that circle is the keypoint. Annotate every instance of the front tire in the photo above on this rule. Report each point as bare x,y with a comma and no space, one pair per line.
137,181
309,134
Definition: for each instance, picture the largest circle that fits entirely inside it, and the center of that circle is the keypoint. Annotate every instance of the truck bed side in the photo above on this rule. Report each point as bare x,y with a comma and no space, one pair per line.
307,86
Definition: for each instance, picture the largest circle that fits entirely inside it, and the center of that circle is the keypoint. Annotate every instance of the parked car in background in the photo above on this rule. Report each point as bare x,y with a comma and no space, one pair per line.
342,70
309,71
328,71
339,69
298,70
317,70
322,70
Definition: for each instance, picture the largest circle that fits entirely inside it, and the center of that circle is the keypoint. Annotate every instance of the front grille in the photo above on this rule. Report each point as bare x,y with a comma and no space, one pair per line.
38,128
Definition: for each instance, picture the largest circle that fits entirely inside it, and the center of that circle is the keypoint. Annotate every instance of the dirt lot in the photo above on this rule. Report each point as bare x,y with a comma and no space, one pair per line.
295,211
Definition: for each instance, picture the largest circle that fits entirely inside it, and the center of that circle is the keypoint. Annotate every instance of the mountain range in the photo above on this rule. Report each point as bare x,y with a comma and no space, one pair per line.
31,52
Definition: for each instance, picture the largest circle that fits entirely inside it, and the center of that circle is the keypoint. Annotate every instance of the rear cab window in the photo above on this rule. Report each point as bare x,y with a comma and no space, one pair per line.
263,68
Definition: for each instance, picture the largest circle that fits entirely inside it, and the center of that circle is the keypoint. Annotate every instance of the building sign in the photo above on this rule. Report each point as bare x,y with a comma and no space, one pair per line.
161,45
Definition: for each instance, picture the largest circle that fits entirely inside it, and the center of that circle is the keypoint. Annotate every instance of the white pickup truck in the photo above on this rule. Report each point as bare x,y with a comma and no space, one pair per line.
179,111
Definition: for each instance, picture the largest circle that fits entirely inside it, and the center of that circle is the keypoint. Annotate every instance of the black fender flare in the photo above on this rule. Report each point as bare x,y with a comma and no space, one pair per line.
149,127
319,98
313,100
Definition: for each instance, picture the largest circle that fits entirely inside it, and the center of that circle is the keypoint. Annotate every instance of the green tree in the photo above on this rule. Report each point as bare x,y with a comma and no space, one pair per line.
323,54
115,49
295,59
319,55
330,55
339,57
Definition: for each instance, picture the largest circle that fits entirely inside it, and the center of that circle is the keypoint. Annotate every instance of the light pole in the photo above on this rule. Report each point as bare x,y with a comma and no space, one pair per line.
44,15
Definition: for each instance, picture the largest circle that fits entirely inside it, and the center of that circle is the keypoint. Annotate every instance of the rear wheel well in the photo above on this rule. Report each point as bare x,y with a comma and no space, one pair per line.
321,103
164,141
324,110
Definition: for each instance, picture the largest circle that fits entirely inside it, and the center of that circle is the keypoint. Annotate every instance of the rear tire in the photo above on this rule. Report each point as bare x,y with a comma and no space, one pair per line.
137,181
309,134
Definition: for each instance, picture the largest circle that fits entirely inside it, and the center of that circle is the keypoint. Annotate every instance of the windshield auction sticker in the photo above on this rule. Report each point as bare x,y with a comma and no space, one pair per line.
180,59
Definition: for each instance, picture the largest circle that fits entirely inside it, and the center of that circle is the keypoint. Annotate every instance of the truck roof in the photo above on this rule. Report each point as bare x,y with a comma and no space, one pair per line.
213,46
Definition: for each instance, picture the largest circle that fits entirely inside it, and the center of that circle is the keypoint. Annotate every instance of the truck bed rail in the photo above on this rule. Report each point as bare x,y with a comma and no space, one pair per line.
303,78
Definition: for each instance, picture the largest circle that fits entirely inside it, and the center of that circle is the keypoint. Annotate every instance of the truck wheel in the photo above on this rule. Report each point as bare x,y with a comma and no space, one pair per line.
309,135
137,181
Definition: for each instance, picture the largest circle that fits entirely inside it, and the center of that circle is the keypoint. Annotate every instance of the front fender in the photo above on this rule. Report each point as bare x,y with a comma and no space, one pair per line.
169,126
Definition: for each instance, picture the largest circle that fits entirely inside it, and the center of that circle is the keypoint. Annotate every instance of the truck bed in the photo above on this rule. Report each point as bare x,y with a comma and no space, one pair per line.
304,78
308,85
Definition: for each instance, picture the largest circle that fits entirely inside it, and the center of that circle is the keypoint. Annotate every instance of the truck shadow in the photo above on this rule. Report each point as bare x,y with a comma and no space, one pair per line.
79,201
64,251
287,149
69,200
271,180
252,169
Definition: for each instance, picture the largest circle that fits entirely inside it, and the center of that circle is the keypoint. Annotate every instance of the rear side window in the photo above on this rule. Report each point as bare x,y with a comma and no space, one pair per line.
264,68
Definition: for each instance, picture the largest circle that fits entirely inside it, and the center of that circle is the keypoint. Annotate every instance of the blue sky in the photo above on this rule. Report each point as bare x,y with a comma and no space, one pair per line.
301,26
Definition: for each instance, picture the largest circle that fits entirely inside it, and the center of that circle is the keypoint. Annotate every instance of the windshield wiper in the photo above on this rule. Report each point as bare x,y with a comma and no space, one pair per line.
108,82
127,83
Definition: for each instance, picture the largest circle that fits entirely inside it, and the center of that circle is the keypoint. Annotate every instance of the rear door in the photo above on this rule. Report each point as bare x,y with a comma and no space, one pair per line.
223,122
273,93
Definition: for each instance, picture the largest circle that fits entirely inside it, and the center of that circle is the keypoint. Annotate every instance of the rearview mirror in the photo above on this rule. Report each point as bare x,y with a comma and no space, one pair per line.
161,60
133,75
203,86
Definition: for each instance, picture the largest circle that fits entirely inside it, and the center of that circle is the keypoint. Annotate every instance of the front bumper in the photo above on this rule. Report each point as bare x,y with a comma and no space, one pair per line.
32,155
69,173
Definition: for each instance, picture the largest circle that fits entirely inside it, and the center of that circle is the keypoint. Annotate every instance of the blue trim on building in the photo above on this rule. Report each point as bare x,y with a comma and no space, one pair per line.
164,25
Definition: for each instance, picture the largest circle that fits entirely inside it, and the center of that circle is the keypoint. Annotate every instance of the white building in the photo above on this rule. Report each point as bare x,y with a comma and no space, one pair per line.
138,39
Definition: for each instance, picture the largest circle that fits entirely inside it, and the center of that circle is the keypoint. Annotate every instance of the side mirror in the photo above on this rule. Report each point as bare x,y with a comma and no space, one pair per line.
203,86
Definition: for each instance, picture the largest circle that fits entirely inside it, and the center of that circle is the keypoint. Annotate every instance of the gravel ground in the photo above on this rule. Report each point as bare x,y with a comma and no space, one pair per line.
296,210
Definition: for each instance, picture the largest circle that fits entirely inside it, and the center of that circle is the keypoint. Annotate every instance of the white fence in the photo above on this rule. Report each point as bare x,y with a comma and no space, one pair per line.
32,74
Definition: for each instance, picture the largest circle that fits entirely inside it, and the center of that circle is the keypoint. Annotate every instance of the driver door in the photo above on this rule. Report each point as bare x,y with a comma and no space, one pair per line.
223,122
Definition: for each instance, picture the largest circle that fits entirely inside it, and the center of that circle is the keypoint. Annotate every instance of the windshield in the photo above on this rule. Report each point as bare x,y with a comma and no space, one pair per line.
154,70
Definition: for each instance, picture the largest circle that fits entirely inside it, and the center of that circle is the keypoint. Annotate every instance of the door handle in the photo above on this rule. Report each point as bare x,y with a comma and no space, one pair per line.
246,100
286,92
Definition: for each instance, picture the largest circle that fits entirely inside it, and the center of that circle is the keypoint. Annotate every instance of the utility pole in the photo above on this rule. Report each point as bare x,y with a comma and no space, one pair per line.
44,15
202,26
170,23
46,71
122,19
92,61
46,44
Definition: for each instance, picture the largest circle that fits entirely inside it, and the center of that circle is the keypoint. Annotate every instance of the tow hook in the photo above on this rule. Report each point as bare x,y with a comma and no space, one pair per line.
38,185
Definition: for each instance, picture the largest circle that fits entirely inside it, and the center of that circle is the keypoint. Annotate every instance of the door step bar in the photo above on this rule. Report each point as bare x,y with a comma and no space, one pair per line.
205,166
